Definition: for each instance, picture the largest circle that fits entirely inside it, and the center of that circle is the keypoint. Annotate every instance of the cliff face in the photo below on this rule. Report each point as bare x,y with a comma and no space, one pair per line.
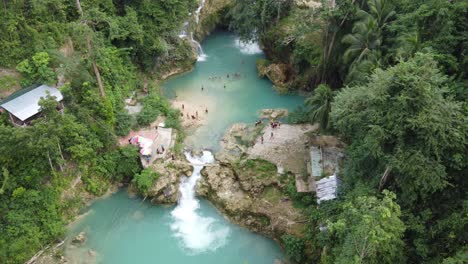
211,16
294,48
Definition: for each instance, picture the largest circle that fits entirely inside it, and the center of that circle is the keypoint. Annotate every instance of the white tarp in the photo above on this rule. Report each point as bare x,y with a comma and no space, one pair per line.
327,188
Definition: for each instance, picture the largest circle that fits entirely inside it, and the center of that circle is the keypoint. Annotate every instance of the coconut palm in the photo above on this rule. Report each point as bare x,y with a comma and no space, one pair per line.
320,105
364,39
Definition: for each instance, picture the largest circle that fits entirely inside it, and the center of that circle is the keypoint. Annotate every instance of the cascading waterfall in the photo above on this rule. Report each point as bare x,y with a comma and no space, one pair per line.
197,12
201,54
196,232
249,48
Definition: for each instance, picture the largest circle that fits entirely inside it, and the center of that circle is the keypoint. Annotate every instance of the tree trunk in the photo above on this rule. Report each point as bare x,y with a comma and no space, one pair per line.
384,177
61,155
78,6
50,161
90,51
95,68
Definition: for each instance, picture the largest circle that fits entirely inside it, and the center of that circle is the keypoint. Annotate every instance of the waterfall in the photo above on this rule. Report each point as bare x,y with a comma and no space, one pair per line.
249,48
197,12
201,54
197,233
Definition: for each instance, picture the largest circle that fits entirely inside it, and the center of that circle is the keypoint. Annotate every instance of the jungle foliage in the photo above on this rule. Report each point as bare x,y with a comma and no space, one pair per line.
99,49
390,78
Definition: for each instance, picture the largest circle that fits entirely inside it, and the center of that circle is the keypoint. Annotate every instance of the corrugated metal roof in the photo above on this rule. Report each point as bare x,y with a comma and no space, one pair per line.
27,104
327,188
315,161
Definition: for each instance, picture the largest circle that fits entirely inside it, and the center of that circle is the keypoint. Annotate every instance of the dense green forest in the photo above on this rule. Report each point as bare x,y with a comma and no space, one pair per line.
390,78
103,50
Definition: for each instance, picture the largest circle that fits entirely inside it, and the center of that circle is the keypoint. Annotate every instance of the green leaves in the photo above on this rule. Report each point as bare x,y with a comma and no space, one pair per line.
294,248
144,180
369,230
320,105
37,70
401,111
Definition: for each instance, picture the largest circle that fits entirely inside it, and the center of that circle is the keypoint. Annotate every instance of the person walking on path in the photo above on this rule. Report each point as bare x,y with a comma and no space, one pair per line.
271,135
261,139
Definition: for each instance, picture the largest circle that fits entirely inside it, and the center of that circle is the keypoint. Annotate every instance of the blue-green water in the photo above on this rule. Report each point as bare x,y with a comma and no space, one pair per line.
125,230
243,96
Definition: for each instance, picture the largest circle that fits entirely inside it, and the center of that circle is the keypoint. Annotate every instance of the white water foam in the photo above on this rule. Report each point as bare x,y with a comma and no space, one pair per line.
247,47
197,233
201,54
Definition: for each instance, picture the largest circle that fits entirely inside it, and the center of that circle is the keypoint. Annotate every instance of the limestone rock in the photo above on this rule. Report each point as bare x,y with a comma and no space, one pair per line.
277,73
242,198
80,239
166,188
234,138
273,114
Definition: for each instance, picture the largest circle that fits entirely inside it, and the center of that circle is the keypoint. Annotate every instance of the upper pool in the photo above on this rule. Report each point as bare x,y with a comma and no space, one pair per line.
232,90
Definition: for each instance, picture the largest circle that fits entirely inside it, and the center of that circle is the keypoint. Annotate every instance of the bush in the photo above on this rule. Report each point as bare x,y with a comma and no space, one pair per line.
294,248
153,105
123,123
300,200
37,70
172,119
144,180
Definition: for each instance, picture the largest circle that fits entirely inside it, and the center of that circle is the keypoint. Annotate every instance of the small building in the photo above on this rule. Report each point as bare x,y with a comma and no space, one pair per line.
23,105
325,158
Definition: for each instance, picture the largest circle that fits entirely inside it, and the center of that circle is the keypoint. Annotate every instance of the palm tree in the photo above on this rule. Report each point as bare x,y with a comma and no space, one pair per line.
409,44
366,37
320,105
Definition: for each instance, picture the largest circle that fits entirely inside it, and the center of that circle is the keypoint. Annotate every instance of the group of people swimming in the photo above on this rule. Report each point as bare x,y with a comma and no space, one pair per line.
235,75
